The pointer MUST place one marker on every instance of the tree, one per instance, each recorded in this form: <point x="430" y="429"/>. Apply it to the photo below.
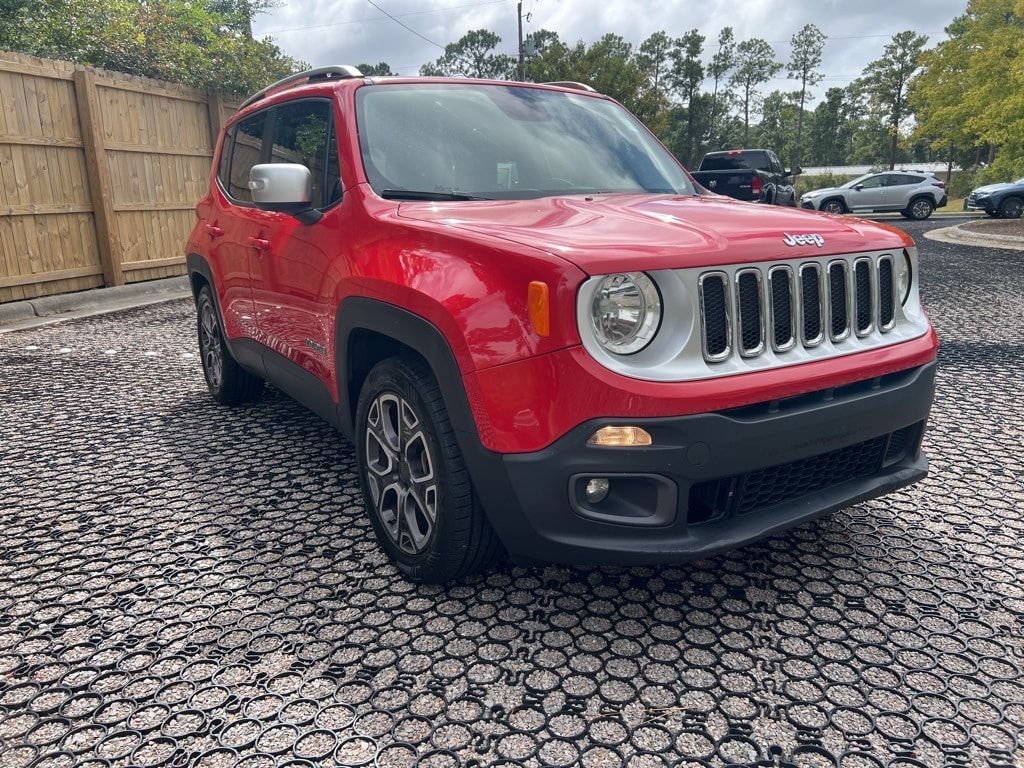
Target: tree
<point x="808" y="45"/>
<point x="687" y="76"/>
<point x="381" y="69"/>
<point x="12" y="30"/>
<point x="655" y="60"/>
<point x="721" y="64"/>
<point x="969" y="93"/>
<point x="608" y="66"/>
<point x="886" y="81"/>
<point x="777" y="128"/>
<point x="832" y="128"/>
<point x="239" y="13"/>
<point x="172" y="40"/>
<point x="755" y="65"/>
<point x="473" y="56"/>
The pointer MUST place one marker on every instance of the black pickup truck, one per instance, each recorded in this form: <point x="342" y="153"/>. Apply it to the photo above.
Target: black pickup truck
<point x="754" y="175"/>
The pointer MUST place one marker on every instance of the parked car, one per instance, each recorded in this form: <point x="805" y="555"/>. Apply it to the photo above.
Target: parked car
<point x="1001" y="201"/>
<point x="536" y="331"/>
<point x="915" y="194"/>
<point x="752" y="175"/>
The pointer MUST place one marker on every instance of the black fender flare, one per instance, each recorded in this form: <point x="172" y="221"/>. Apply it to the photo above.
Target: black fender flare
<point x="409" y="330"/>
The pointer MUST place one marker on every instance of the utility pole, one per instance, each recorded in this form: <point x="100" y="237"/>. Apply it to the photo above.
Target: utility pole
<point x="522" y="56"/>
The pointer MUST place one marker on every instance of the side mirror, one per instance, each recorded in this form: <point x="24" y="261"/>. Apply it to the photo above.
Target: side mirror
<point x="795" y="171"/>
<point x="859" y="187"/>
<point x="284" y="187"/>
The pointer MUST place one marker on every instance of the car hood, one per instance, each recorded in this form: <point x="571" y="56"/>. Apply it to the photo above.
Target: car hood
<point x="990" y="188"/>
<point x="824" y="191"/>
<point x="611" y="233"/>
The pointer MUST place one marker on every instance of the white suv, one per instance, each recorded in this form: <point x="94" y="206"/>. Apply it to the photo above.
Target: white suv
<point x="915" y="194"/>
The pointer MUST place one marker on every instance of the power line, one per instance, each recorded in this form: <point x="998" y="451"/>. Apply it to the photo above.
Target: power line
<point x="403" y="26"/>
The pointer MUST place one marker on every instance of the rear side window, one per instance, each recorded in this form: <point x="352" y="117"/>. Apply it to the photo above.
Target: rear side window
<point x="238" y="158"/>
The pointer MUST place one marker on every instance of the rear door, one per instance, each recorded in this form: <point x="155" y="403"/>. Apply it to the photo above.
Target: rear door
<point x="231" y="223"/>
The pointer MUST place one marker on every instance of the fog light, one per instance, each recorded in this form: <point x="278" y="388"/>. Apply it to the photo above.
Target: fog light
<point x="620" y="437"/>
<point x="597" y="489"/>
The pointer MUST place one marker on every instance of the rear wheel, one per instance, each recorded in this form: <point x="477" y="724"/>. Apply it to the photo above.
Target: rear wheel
<point x="1011" y="208"/>
<point x="420" y="498"/>
<point x="229" y="383"/>
<point x="833" y="206"/>
<point x="920" y="208"/>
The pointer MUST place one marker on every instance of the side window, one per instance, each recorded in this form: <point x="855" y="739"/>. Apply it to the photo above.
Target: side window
<point x="301" y="135"/>
<point x="874" y="182"/>
<point x="773" y="164"/>
<point x="247" y="151"/>
<point x="224" y="168"/>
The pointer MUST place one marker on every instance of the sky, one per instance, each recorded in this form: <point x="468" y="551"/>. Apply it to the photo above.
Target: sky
<point x="322" y="32"/>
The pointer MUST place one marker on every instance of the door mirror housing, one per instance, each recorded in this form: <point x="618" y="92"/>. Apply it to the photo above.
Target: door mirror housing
<point x="284" y="187"/>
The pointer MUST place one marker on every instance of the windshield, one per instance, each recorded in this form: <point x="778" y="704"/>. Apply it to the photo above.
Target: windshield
<point x="470" y="141"/>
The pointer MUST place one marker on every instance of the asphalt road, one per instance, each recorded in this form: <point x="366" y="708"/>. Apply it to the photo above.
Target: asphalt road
<point x="182" y="584"/>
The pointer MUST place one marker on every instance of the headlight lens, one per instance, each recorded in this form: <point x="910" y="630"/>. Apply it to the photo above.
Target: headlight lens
<point x="904" y="277"/>
<point x="626" y="312"/>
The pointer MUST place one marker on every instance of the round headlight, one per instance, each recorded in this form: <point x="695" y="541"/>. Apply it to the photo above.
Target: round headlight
<point x="904" y="277"/>
<point x="626" y="312"/>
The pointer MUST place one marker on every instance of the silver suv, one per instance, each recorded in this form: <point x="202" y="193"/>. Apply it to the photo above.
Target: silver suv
<point x="915" y="194"/>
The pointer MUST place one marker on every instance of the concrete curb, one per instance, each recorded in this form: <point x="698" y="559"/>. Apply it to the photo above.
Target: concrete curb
<point x="45" y="310"/>
<point x="957" y="234"/>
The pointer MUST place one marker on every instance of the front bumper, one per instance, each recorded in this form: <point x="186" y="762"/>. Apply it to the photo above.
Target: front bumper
<point x="710" y="482"/>
<point x="980" y="204"/>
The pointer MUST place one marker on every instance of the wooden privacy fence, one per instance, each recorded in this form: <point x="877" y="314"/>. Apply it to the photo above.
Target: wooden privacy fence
<point x="99" y="175"/>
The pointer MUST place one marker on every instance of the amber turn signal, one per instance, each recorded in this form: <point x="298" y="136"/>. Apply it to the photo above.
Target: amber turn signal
<point x="538" y="301"/>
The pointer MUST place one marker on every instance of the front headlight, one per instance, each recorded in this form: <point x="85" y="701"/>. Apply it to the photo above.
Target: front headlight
<point x="626" y="312"/>
<point x="904" y="278"/>
<point x="980" y="194"/>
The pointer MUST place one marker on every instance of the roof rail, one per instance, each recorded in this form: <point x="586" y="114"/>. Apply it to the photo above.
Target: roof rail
<point x="320" y="73"/>
<point x="572" y="84"/>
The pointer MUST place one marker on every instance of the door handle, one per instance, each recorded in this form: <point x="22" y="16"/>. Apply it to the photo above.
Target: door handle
<point x="259" y="243"/>
<point x="213" y="230"/>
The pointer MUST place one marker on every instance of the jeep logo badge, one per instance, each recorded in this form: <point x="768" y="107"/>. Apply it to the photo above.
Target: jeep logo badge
<point x="792" y="240"/>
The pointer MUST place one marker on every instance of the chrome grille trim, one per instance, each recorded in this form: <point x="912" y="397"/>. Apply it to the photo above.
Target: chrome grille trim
<point x="709" y="286"/>
<point x="839" y="300"/>
<point x="812" y="300"/>
<point x="865" y="297"/>
<point x="784" y="310"/>
<point x="750" y="312"/>
<point x="886" y="294"/>
<point x="784" y="306"/>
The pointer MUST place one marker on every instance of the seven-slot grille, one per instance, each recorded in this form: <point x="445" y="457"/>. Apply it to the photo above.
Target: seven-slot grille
<point x="781" y="306"/>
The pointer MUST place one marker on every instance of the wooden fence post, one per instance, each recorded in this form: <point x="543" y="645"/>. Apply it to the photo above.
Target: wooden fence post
<point x="215" y="104"/>
<point x="98" y="170"/>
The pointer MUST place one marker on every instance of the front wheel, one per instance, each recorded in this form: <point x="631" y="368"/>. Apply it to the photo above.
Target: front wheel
<point x="416" y="486"/>
<point x="919" y="209"/>
<point x="833" y="206"/>
<point x="1011" y="208"/>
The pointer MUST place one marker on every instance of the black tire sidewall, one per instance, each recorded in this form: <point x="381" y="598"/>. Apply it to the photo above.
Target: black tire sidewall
<point x="237" y="386"/>
<point x="441" y="560"/>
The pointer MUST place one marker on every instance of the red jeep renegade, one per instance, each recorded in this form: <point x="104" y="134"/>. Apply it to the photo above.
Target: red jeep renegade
<point x="540" y="335"/>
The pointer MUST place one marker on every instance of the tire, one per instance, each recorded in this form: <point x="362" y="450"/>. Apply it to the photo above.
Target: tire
<point x="229" y="383"/>
<point x="920" y="208"/>
<point x="416" y="486"/>
<point x="833" y="206"/>
<point x="1011" y="208"/>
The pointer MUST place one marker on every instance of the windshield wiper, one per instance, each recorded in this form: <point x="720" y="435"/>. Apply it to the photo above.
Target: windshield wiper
<point x="417" y="194"/>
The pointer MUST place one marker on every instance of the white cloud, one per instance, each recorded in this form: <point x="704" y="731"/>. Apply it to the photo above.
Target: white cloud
<point x="354" y="31"/>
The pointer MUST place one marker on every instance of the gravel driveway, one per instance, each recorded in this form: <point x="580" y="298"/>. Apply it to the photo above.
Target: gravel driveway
<point x="186" y="585"/>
